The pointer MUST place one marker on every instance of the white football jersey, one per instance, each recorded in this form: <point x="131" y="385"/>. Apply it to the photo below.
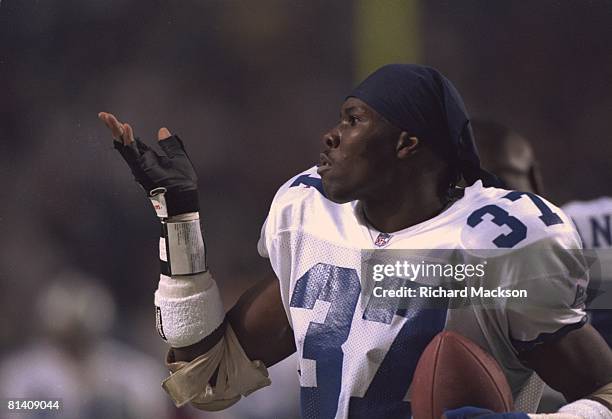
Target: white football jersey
<point x="592" y="220"/>
<point x="357" y="360"/>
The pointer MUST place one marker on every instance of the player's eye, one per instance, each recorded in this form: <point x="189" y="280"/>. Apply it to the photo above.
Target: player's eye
<point x="351" y="120"/>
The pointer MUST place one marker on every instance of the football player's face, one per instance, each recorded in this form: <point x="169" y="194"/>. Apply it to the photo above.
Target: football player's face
<point x="359" y="153"/>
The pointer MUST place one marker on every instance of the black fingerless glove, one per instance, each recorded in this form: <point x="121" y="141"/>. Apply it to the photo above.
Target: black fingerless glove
<point x="169" y="180"/>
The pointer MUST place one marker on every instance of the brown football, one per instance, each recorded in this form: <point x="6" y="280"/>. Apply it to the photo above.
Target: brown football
<point x="454" y="372"/>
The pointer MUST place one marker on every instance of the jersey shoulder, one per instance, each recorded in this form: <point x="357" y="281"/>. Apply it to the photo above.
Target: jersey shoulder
<point x="298" y="200"/>
<point x="302" y="187"/>
<point x="300" y="204"/>
<point x="503" y="219"/>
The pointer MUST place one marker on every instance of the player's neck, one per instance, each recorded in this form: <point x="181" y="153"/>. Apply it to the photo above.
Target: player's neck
<point x="396" y="212"/>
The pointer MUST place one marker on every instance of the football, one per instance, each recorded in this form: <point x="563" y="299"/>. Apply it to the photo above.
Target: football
<point x="454" y="372"/>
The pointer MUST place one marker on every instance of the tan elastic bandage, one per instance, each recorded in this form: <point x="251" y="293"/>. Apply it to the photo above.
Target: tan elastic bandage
<point x="238" y="376"/>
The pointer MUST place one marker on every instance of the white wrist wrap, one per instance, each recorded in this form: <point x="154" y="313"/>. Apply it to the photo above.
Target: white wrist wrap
<point x="189" y="308"/>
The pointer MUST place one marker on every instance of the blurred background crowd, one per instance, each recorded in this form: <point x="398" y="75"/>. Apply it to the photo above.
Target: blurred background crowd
<point x="250" y="86"/>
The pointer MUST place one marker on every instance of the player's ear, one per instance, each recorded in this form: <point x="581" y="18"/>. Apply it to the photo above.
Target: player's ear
<point x="406" y="145"/>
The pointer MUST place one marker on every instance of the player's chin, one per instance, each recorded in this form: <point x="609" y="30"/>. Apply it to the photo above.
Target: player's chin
<point x="336" y="192"/>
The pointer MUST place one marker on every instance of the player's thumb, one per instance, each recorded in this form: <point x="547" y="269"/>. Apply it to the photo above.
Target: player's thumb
<point x="163" y="133"/>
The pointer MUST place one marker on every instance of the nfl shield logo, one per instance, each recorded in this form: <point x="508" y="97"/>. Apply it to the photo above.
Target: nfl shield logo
<point x="382" y="239"/>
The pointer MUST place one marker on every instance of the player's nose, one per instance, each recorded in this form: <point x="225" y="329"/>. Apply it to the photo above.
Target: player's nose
<point x="331" y="139"/>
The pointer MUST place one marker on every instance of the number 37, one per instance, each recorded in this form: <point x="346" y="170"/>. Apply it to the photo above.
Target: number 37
<point x="501" y="217"/>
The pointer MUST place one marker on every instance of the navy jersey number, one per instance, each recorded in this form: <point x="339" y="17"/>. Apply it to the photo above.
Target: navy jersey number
<point x="340" y="288"/>
<point x="384" y="397"/>
<point x="518" y="230"/>
<point x="306" y="180"/>
<point x="501" y="217"/>
<point x="547" y="215"/>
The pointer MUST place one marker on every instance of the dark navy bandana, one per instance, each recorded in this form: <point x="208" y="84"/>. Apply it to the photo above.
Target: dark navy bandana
<point x="421" y="101"/>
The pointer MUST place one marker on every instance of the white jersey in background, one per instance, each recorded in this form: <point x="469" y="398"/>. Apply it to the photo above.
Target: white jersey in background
<point x="592" y="220"/>
<point x="357" y="359"/>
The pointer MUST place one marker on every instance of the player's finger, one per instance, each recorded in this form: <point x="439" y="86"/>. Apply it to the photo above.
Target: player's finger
<point x="171" y="144"/>
<point x="128" y="134"/>
<point x="163" y="133"/>
<point x="103" y="116"/>
<point x="142" y="147"/>
<point x="112" y="123"/>
<point x="106" y="118"/>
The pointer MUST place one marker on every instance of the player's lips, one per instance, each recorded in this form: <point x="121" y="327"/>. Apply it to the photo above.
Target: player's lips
<point x="324" y="163"/>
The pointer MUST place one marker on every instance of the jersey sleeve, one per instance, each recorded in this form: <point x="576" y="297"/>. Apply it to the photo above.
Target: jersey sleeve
<point x="262" y="245"/>
<point x="554" y="277"/>
<point x="283" y="212"/>
<point x="284" y="217"/>
<point x="272" y="224"/>
<point x="532" y="249"/>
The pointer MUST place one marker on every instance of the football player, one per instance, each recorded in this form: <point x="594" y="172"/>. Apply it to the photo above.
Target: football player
<point x="592" y="220"/>
<point x="386" y="179"/>
<point x="511" y="157"/>
<point x="507" y="154"/>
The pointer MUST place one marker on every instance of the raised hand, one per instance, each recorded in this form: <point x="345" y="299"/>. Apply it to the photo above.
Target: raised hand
<point x="169" y="180"/>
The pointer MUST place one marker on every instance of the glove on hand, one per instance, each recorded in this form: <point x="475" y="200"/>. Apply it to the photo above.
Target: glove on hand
<point x="172" y="176"/>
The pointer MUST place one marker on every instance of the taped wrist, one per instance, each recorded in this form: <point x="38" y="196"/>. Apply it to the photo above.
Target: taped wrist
<point x="182" y="250"/>
<point x="188" y="308"/>
<point x="169" y="203"/>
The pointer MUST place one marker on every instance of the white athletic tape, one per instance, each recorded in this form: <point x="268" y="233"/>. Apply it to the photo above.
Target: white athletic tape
<point x="157" y="197"/>
<point x="188" y="216"/>
<point x="185" y="250"/>
<point x="189" y="308"/>
<point x="163" y="252"/>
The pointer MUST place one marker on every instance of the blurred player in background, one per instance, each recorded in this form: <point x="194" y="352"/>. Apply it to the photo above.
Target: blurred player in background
<point x="507" y="154"/>
<point x="592" y="220"/>
<point x="75" y="361"/>
<point x="386" y="179"/>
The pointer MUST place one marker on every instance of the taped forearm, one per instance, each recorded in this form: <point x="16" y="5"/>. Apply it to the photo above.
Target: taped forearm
<point x="181" y="245"/>
<point x="189" y="309"/>
<point x="237" y="376"/>
<point x="187" y="300"/>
